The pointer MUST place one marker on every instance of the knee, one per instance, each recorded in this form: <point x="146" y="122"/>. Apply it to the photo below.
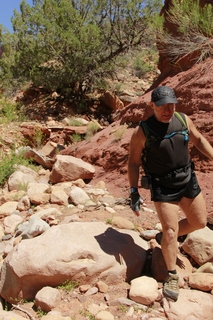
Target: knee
<point x="201" y="223"/>
<point x="170" y="235"/>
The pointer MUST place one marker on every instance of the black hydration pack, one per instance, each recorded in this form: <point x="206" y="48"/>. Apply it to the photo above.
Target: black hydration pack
<point x="153" y="136"/>
<point x="171" y="179"/>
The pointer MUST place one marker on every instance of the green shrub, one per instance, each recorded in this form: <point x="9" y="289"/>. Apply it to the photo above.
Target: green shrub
<point x="141" y="66"/>
<point x="144" y="61"/>
<point x="92" y="128"/>
<point x="190" y="17"/>
<point x="9" y="111"/>
<point x="68" y="285"/>
<point x="76" y="137"/>
<point x="118" y="134"/>
<point x="23" y="186"/>
<point x="41" y="313"/>
<point x="38" y="137"/>
<point x="87" y="315"/>
<point x="74" y="122"/>
<point x="8" y="164"/>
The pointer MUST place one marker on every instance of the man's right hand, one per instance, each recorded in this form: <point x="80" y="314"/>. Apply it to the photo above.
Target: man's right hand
<point x="135" y="201"/>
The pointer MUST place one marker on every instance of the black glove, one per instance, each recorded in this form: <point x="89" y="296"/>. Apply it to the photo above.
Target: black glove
<point x="135" y="201"/>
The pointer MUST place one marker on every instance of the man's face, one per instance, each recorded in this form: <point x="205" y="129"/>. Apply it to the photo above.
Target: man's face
<point x="165" y="112"/>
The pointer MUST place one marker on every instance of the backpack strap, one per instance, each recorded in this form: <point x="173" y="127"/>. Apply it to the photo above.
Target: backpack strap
<point x="182" y="120"/>
<point x="147" y="129"/>
<point x="149" y="133"/>
<point x="153" y="136"/>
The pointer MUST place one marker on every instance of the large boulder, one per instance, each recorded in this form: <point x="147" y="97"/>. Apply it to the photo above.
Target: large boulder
<point x="68" y="168"/>
<point x="199" y="245"/>
<point x="5" y="315"/>
<point x="191" y="305"/>
<point x="78" y="251"/>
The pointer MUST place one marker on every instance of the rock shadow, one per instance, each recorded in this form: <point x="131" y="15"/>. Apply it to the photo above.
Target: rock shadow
<point x="125" y="250"/>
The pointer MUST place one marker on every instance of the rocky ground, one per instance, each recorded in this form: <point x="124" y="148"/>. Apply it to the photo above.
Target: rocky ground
<point x="79" y="306"/>
<point x="75" y="303"/>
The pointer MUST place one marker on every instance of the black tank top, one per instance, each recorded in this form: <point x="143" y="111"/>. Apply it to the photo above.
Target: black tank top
<point x="166" y="148"/>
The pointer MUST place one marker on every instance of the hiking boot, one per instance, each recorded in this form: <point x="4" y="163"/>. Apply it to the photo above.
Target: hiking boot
<point x="171" y="287"/>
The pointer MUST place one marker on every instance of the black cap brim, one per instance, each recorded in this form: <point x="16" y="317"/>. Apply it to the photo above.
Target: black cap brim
<point x="165" y="100"/>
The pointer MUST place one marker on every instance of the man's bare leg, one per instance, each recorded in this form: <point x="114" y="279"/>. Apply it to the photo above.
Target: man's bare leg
<point x="168" y="215"/>
<point x="195" y="211"/>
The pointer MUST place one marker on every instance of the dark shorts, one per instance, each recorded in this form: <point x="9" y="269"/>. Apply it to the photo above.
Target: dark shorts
<point x="160" y="193"/>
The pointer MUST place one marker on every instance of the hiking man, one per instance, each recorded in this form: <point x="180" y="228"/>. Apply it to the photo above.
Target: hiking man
<point x="161" y="144"/>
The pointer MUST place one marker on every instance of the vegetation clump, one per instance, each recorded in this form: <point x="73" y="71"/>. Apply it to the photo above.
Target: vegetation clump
<point x="193" y="25"/>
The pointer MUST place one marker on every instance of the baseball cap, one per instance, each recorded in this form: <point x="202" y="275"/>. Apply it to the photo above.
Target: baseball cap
<point x="163" y="95"/>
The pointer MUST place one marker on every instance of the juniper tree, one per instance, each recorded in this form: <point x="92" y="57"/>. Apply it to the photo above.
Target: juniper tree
<point x="60" y="43"/>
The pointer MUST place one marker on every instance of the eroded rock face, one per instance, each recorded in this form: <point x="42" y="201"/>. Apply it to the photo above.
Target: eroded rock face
<point x="193" y="89"/>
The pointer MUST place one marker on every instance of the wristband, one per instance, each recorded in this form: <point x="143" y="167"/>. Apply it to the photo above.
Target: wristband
<point x="132" y="190"/>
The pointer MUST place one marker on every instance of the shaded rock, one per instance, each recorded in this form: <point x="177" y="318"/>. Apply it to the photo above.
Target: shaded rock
<point x="50" y="149"/>
<point x="148" y="234"/>
<point x="159" y="270"/>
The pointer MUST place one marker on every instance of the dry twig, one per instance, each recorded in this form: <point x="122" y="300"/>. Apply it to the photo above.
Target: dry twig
<point x="16" y="307"/>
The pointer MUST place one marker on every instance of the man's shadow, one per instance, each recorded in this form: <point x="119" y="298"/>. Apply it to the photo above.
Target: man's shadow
<point x="125" y="251"/>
